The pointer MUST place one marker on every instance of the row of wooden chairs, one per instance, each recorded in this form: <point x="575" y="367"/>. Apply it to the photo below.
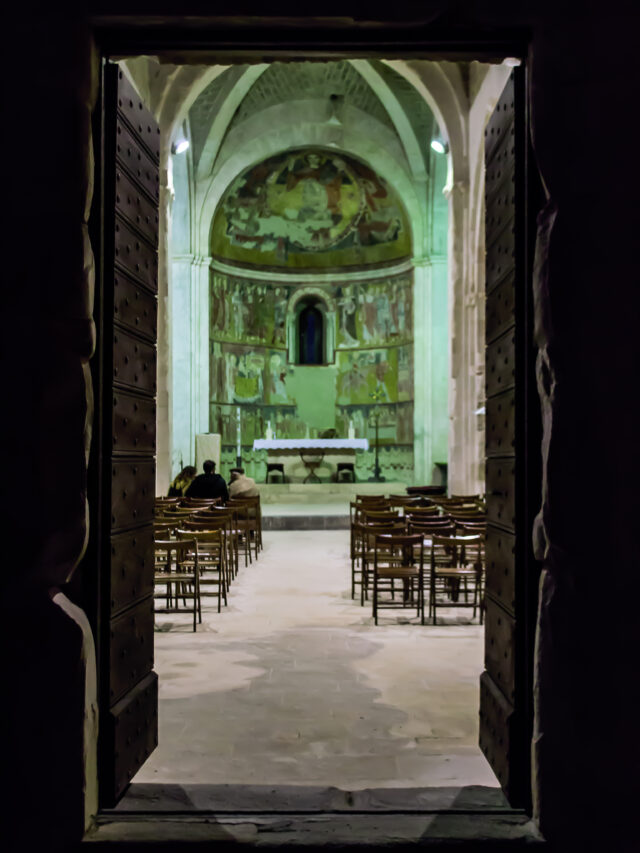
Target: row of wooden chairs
<point x="198" y="545"/>
<point x="436" y="551"/>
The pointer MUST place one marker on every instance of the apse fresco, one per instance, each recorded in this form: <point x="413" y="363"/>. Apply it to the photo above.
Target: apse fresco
<point x="249" y="311"/>
<point x="310" y="208"/>
<point x="372" y="372"/>
<point x="375" y="312"/>
<point x="241" y="374"/>
<point x="368" y="313"/>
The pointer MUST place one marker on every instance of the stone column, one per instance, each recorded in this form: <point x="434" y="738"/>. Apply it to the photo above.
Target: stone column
<point x="422" y="395"/>
<point x="200" y="338"/>
<point x="181" y="332"/>
<point x="466" y="312"/>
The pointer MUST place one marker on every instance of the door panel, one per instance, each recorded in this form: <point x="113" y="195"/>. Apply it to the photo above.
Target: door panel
<point x="512" y="476"/>
<point x="127" y="438"/>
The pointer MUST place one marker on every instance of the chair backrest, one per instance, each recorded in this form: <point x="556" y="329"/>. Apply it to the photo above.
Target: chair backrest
<point x="379" y="515"/>
<point x="189" y="502"/>
<point x="431" y="520"/>
<point x="401" y="543"/>
<point x="427" y="529"/>
<point x="470" y="514"/>
<point x="456" y="546"/>
<point x="422" y="511"/>
<point x="207" y="524"/>
<point x="183" y="548"/>
<point x="368" y="532"/>
<point x="177" y="510"/>
<point x="206" y="537"/>
<point x="472" y="525"/>
<point x="160" y="526"/>
<point x="363" y="499"/>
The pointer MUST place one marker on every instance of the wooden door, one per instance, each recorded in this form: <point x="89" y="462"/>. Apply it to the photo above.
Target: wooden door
<point x="512" y="448"/>
<point x="126" y="423"/>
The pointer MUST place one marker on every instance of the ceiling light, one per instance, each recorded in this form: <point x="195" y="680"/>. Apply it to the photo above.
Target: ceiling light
<point x="438" y="146"/>
<point x="180" y="146"/>
<point x="512" y="62"/>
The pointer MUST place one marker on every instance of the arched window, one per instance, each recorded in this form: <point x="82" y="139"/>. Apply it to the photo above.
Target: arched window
<point x="311" y="320"/>
<point x="311" y="333"/>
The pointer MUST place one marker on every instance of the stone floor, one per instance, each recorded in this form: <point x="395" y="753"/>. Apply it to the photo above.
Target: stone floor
<point x="292" y="684"/>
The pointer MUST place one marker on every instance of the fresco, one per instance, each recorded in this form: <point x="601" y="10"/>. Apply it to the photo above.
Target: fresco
<point x="366" y="376"/>
<point x="375" y="312"/>
<point x="310" y="208"/>
<point x="368" y="313"/>
<point x="248" y="311"/>
<point x="374" y="356"/>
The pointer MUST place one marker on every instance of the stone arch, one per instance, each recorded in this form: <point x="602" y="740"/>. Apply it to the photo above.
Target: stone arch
<point x="280" y="139"/>
<point x="329" y="312"/>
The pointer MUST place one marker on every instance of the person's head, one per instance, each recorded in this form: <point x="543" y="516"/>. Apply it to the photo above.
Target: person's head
<point x="208" y="466"/>
<point x="188" y="472"/>
<point x="234" y="473"/>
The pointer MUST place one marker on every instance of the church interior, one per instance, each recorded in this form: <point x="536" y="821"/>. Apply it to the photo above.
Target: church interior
<point x="355" y="257"/>
<point x="306" y="303"/>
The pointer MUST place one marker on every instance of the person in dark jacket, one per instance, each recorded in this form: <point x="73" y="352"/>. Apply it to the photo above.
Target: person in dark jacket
<point x="209" y="484"/>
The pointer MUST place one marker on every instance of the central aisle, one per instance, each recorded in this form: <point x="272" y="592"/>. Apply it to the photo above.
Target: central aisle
<point x="293" y="684"/>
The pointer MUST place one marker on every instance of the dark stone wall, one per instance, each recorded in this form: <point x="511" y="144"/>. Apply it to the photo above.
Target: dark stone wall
<point x="583" y="93"/>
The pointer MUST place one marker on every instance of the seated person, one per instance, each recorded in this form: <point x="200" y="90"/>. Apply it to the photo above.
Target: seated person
<point x="241" y="486"/>
<point x="209" y="484"/>
<point x="182" y="482"/>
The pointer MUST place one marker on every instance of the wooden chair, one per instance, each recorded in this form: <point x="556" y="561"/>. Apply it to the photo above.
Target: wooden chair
<point x="398" y="557"/>
<point x="247" y="513"/>
<point x="211" y="524"/>
<point x="463" y="564"/>
<point x="211" y="560"/>
<point x="176" y="565"/>
<point x="366" y="540"/>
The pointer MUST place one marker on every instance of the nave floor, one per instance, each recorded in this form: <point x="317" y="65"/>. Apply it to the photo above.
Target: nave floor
<point x="292" y="684"/>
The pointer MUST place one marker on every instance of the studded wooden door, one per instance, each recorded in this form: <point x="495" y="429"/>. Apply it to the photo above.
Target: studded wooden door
<point x="512" y="449"/>
<point x="127" y="314"/>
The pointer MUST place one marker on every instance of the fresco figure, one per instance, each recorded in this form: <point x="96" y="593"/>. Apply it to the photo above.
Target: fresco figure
<point x="238" y="312"/>
<point x="384" y="320"/>
<point x="369" y="312"/>
<point x="348" y="307"/>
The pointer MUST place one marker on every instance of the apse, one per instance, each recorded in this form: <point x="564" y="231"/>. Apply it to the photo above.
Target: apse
<point x="312" y="309"/>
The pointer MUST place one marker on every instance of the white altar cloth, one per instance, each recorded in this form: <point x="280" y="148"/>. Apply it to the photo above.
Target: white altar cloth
<point x="311" y="444"/>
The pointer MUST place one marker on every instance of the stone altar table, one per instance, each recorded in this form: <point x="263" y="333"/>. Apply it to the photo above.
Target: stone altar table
<point x="309" y="454"/>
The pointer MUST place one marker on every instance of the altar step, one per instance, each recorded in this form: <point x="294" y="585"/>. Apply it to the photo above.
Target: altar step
<point x="305" y="522"/>
<point x="324" y="493"/>
<point x="315" y="506"/>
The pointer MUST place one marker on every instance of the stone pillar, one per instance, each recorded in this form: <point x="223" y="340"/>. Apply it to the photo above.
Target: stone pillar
<point x="422" y="394"/>
<point x="200" y="337"/>
<point x="466" y="273"/>
<point x="181" y="331"/>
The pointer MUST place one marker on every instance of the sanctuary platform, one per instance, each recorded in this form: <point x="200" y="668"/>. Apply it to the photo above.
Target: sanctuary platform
<point x="315" y="506"/>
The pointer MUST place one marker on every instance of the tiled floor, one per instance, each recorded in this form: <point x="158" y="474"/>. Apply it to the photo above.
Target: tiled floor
<point x="293" y="684"/>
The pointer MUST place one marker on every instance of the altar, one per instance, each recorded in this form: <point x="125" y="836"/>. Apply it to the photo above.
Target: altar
<point x="306" y="459"/>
